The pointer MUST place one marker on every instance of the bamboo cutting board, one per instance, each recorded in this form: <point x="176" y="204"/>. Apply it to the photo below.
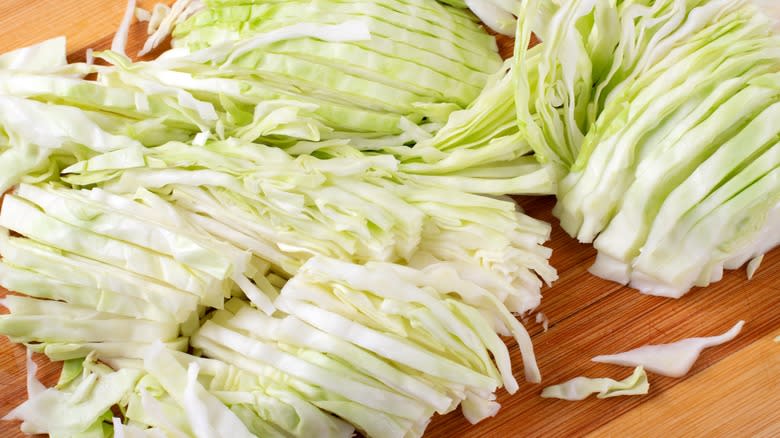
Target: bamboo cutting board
<point x="733" y="390"/>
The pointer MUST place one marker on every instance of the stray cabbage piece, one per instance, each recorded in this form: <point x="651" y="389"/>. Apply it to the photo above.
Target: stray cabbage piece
<point x="673" y="360"/>
<point x="163" y="18"/>
<point x="34" y="386"/>
<point x="119" y="42"/>
<point x="542" y="319"/>
<point x="753" y="266"/>
<point x="497" y="15"/>
<point x="580" y="388"/>
<point x="142" y="15"/>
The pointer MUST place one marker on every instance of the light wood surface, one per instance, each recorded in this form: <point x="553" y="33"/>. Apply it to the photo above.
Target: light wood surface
<point x="733" y="390"/>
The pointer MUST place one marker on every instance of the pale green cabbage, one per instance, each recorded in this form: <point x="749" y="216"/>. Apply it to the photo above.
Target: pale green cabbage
<point x="674" y="359"/>
<point x="78" y="406"/>
<point x="355" y="208"/>
<point x="660" y="116"/>
<point x="580" y="388"/>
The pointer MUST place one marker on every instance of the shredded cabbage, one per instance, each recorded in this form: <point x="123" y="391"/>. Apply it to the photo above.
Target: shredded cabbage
<point x="332" y="210"/>
<point x="660" y="117"/>
<point x="278" y="227"/>
<point x="119" y="43"/>
<point x="80" y="406"/>
<point x="579" y="388"/>
<point x="673" y="360"/>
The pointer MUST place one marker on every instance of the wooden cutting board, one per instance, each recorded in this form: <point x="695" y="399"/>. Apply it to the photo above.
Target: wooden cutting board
<point x="733" y="390"/>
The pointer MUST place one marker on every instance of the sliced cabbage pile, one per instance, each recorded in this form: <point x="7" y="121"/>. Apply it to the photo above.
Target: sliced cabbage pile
<point x="374" y="76"/>
<point x="359" y="209"/>
<point x="378" y="347"/>
<point x="292" y="223"/>
<point x="241" y="237"/>
<point x="110" y="273"/>
<point x="663" y="117"/>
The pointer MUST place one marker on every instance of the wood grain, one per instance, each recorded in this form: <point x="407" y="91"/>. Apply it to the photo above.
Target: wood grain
<point x="86" y="24"/>
<point x="733" y="390"/>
